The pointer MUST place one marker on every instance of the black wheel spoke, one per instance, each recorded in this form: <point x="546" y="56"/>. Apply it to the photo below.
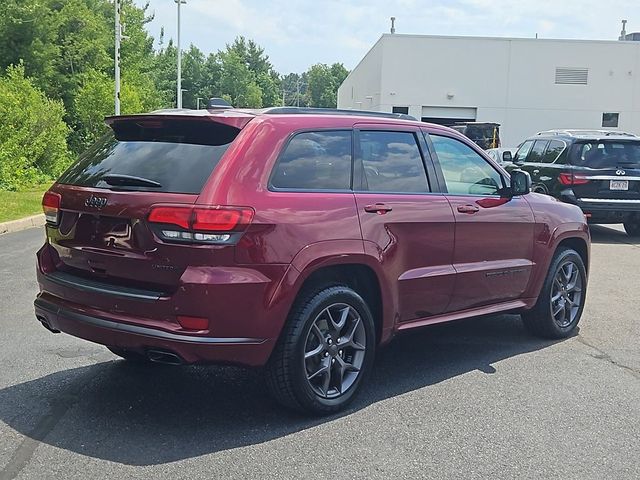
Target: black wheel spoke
<point x="566" y="294"/>
<point x="334" y="350"/>
<point x="316" y="351"/>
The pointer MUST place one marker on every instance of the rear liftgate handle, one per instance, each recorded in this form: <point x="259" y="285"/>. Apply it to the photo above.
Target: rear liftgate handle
<point x="470" y="209"/>
<point x="379" y="208"/>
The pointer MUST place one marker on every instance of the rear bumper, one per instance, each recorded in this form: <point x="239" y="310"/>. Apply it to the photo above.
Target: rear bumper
<point x="61" y="316"/>
<point x="243" y="321"/>
<point x="606" y="210"/>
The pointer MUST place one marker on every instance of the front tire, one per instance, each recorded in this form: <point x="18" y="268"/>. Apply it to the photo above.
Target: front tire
<point x="561" y="301"/>
<point x="324" y="353"/>
<point x="633" y="228"/>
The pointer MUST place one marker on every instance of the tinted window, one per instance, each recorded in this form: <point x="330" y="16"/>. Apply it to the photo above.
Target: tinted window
<point x="177" y="155"/>
<point x="610" y="119"/>
<point x="523" y="151"/>
<point x="392" y="162"/>
<point x="315" y="161"/>
<point x="553" y="151"/>
<point x="535" y="156"/>
<point x="465" y="171"/>
<point x="404" y="110"/>
<point x="606" y="154"/>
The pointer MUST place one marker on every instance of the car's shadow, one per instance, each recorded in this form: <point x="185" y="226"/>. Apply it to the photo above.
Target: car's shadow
<point x="148" y="415"/>
<point x="607" y="235"/>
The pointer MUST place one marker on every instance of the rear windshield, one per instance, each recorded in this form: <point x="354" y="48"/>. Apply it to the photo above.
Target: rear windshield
<point x="606" y="154"/>
<point x="168" y="155"/>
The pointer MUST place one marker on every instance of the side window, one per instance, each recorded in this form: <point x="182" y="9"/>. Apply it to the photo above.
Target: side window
<point x="553" y="151"/>
<point x="392" y="162"/>
<point x="537" y="151"/>
<point x="315" y="161"/>
<point x="523" y="151"/>
<point x="465" y="172"/>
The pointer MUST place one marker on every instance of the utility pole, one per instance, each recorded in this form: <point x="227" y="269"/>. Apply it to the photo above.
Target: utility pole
<point x="117" y="57"/>
<point x="179" y="87"/>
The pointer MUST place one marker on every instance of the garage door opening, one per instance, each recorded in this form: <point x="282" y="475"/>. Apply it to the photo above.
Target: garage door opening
<point x="448" y="116"/>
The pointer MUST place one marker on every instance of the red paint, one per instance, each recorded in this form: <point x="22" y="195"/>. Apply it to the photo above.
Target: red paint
<point x="433" y="260"/>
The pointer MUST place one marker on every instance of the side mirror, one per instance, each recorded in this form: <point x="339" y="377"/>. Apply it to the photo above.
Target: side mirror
<point x="506" y="156"/>
<point x="520" y="183"/>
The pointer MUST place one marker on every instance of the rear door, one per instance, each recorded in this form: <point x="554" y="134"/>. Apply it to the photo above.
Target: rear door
<point x="106" y="196"/>
<point x="407" y="225"/>
<point x="493" y="235"/>
<point x="544" y="162"/>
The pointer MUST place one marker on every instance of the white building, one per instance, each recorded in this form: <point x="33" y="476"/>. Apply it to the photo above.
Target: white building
<point x="526" y="85"/>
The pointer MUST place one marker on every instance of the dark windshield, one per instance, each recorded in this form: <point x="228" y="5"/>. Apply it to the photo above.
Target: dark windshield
<point x="606" y="154"/>
<point x="177" y="155"/>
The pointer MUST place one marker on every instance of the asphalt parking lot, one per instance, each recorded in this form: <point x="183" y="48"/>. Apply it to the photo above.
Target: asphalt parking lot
<point x="473" y="399"/>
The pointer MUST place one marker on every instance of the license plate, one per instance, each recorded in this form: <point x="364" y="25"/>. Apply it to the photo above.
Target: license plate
<point x="619" y="185"/>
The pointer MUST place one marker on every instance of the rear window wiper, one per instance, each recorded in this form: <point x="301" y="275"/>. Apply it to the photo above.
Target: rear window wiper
<point x="129" y="181"/>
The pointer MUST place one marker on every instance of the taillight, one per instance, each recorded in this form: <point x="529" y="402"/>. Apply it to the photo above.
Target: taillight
<point x="572" y="179"/>
<point x="217" y="225"/>
<point x="51" y="207"/>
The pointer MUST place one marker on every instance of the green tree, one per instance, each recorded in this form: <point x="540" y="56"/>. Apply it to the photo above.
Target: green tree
<point x="323" y="83"/>
<point x="33" y="134"/>
<point x="62" y="45"/>
<point x="237" y="83"/>
<point x="262" y="72"/>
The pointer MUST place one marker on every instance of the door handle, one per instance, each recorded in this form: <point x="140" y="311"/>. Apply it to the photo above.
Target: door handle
<point x="379" y="208"/>
<point x="468" y="209"/>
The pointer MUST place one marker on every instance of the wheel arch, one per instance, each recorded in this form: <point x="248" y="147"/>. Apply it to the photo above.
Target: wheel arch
<point x="358" y="271"/>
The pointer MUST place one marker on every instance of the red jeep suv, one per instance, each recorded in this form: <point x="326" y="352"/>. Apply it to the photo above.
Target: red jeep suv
<point x="298" y="240"/>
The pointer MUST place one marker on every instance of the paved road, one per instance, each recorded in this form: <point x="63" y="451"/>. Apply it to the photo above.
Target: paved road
<point x="475" y="399"/>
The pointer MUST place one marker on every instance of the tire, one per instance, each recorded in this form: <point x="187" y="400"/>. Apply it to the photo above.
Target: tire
<point x="633" y="228"/>
<point x="301" y="383"/>
<point x="541" y="320"/>
<point x="133" y="357"/>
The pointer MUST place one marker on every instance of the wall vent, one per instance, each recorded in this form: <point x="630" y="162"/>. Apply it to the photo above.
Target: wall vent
<point x="571" y="76"/>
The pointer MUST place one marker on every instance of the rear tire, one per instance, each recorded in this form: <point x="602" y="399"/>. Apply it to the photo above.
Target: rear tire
<point x="633" y="228"/>
<point x="561" y="300"/>
<point x="325" y="351"/>
<point x="133" y="357"/>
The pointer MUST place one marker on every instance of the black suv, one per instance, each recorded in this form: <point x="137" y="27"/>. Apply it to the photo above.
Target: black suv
<point x="598" y="170"/>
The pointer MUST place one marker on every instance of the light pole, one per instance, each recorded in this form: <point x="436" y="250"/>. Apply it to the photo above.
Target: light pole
<point x="116" y="55"/>
<point x="198" y="103"/>
<point x="179" y="87"/>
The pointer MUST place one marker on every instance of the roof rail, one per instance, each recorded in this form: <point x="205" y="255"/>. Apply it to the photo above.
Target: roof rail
<point x="335" y="111"/>
<point x="586" y="133"/>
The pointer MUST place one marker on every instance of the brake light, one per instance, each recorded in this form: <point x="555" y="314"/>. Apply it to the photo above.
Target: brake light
<point x="221" y="220"/>
<point x="217" y="225"/>
<point x="171" y="215"/>
<point x="51" y="207"/>
<point x="572" y="179"/>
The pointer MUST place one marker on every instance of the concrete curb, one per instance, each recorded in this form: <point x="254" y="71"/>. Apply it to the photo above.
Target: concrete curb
<point x="22" y="224"/>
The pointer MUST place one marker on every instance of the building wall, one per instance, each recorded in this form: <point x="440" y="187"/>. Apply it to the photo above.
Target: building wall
<point x="361" y="90"/>
<point x="509" y="81"/>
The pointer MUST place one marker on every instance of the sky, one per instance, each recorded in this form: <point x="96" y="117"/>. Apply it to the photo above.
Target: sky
<point x="299" y="33"/>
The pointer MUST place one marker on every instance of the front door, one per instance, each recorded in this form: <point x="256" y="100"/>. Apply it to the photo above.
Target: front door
<point x="407" y="226"/>
<point x="493" y="235"/>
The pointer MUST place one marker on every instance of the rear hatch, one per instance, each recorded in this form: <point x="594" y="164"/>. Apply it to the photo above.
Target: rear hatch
<point x="102" y="233"/>
<point x="605" y="169"/>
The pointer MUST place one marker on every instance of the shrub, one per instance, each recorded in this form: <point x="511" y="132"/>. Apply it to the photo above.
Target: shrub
<point x="33" y="134"/>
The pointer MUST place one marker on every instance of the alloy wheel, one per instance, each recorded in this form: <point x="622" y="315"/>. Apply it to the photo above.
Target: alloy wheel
<point x="334" y="350"/>
<point x="566" y="294"/>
